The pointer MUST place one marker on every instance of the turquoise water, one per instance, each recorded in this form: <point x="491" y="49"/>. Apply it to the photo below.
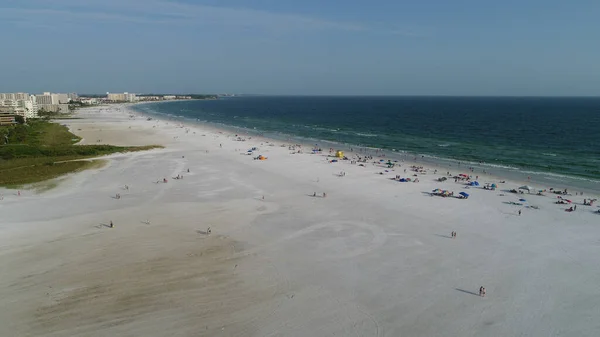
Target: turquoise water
<point x="551" y="140"/>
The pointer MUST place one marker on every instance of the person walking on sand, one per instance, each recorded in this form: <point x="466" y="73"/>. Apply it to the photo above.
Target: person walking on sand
<point x="519" y="212"/>
<point x="111" y="224"/>
<point x="481" y="291"/>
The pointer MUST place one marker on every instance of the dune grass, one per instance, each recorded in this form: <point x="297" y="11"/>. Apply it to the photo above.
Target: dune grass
<point x="42" y="150"/>
<point x="16" y="178"/>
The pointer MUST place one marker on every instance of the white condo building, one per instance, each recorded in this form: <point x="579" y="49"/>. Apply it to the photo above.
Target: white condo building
<point x="50" y="98"/>
<point x="124" y="97"/>
<point x="20" y="103"/>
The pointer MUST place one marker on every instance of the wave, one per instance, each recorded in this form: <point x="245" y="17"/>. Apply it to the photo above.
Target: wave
<point x="560" y="177"/>
<point x="366" y="134"/>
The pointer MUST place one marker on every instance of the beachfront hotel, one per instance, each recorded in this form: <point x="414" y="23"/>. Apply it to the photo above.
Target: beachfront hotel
<point x="28" y="106"/>
<point x="124" y="97"/>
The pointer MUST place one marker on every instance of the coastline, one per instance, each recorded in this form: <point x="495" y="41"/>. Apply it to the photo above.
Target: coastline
<point x="521" y="176"/>
<point x="374" y="257"/>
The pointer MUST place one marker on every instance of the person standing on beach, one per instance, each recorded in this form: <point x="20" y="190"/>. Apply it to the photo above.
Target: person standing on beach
<point x="111" y="224"/>
<point x="519" y="212"/>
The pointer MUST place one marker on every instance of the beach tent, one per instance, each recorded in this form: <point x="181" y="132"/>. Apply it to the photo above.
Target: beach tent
<point x="526" y="187"/>
<point x="339" y="154"/>
<point x="464" y="194"/>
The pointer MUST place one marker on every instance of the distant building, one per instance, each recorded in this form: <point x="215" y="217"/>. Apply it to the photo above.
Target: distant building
<point x="43" y="99"/>
<point x="60" y="99"/>
<point x="124" y="97"/>
<point x="31" y="109"/>
<point x="21" y="104"/>
<point x="8" y="114"/>
<point x="14" y="96"/>
<point x="89" y="101"/>
<point x="49" y="98"/>
<point x="60" y="108"/>
<point x="73" y="96"/>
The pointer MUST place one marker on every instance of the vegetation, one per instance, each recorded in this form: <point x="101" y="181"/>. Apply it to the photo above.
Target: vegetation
<point x="41" y="150"/>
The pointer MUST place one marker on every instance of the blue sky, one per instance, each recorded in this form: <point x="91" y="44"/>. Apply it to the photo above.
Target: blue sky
<point x="388" y="47"/>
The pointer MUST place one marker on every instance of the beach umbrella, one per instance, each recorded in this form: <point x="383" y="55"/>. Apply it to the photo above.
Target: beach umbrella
<point x="464" y="194"/>
<point x="526" y="187"/>
<point x="494" y="185"/>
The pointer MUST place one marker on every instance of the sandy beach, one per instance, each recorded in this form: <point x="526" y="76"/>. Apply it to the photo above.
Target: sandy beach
<point x="373" y="258"/>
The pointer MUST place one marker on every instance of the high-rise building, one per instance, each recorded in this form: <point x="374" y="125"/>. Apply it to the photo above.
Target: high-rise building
<point x="60" y="99"/>
<point x="14" y="96"/>
<point x="50" y="98"/>
<point x="72" y="96"/>
<point x="124" y="97"/>
<point x="46" y="98"/>
<point x="22" y="104"/>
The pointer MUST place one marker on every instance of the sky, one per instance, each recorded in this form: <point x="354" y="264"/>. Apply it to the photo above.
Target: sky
<point x="308" y="47"/>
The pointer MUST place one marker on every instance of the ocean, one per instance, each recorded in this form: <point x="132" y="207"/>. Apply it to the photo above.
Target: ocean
<point x="555" y="141"/>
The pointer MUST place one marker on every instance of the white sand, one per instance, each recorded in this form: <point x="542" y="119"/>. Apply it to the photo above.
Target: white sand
<point x="373" y="258"/>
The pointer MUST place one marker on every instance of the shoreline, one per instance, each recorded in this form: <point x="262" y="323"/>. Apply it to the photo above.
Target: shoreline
<point x="517" y="175"/>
